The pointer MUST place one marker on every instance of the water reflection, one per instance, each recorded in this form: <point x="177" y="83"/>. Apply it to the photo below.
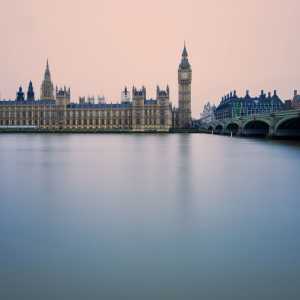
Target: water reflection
<point x="148" y="217"/>
<point x="182" y="184"/>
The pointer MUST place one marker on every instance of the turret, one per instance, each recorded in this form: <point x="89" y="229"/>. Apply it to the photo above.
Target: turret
<point x="20" y="95"/>
<point x="30" y="92"/>
<point x="138" y="113"/>
<point x="295" y="93"/>
<point x="163" y="97"/>
<point x="101" y="99"/>
<point x="81" y="100"/>
<point x="138" y="96"/>
<point x="162" y="94"/>
<point x="63" y="96"/>
<point x="262" y="94"/>
<point x="125" y="95"/>
<point x="91" y="100"/>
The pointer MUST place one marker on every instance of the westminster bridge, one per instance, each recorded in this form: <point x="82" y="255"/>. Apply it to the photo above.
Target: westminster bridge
<point x="278" y="124"/>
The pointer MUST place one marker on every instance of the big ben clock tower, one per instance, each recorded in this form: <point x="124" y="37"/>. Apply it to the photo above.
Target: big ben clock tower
<point x="184" y="89"/>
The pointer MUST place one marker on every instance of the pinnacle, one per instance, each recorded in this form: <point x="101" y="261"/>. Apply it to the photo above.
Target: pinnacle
<point x="184" y="52"/>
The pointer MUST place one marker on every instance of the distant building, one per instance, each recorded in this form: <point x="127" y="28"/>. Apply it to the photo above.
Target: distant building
<point x="295" y="103"/>
<point x="208" y="114"/>
<point x="232" y="105"/>
<point x="136" y="112"/>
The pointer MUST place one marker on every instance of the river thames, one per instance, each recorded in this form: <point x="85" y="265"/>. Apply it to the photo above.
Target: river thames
<point x="149" y="217"/>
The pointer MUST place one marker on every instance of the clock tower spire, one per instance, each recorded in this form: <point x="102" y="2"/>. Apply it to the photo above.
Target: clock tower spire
<point x="184" y="91"/>
<point x="47" y="88"/>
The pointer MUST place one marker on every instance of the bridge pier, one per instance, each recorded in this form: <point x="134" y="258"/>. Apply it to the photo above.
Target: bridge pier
<point x="271" y="132"/>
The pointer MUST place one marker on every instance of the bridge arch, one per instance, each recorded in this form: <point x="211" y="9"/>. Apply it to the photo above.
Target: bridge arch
<point x="288" y="127"/>
<point x="232" y="127"/>
<point x="256" y="127"/>
<point x="219" y="128"/>
<point x="210" y="128"/>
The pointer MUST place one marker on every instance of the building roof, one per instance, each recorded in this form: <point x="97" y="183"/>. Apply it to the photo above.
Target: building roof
<point x="184" y="64"/>
<point x="27" y="102"/>
<point x="263" y="99"/>
<point x="100" y="105"/>
<point x="78" y="105"/>
<point x="150" y="102"/>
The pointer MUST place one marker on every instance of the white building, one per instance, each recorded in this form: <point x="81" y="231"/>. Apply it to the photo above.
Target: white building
<point x="208" y="114"/>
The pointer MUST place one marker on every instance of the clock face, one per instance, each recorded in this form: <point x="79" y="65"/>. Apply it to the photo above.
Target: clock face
<point x="184" y="75"/>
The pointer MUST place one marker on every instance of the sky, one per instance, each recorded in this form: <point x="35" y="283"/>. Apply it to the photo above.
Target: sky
<point x="99" y="46"/>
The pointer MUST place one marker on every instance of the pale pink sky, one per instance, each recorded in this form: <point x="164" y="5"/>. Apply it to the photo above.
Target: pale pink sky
<point x="98" y="46"/>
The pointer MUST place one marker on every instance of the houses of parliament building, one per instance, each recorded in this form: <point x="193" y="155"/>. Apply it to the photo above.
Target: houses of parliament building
<point x="55" y="110"/>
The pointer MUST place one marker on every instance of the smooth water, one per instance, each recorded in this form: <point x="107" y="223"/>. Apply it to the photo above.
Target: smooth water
<point x="148" y="217"/>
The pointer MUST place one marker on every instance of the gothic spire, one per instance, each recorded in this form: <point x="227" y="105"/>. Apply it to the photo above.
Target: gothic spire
<point x="30" y="92"/>
<point x="184" y="52"/>
<point x="20" y="94"/>
<point x="47" y="88"/>
<point x="184" y="60"/>
<point x="47" y="72"/>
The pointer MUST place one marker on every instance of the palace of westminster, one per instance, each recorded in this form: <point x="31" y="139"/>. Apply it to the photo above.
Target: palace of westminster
<point x="55" y="111"/>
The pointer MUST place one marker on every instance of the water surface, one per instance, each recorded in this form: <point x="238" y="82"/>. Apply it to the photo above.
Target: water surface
<point x="148" y="217"/>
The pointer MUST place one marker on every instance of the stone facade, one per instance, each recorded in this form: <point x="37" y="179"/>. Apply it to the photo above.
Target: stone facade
<point x="208" y="114"/>
<point x="232" y="106"/>
<point x="55" y="111"/>
<point x="59" y="114"/>
<point x="184" y="90"/>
